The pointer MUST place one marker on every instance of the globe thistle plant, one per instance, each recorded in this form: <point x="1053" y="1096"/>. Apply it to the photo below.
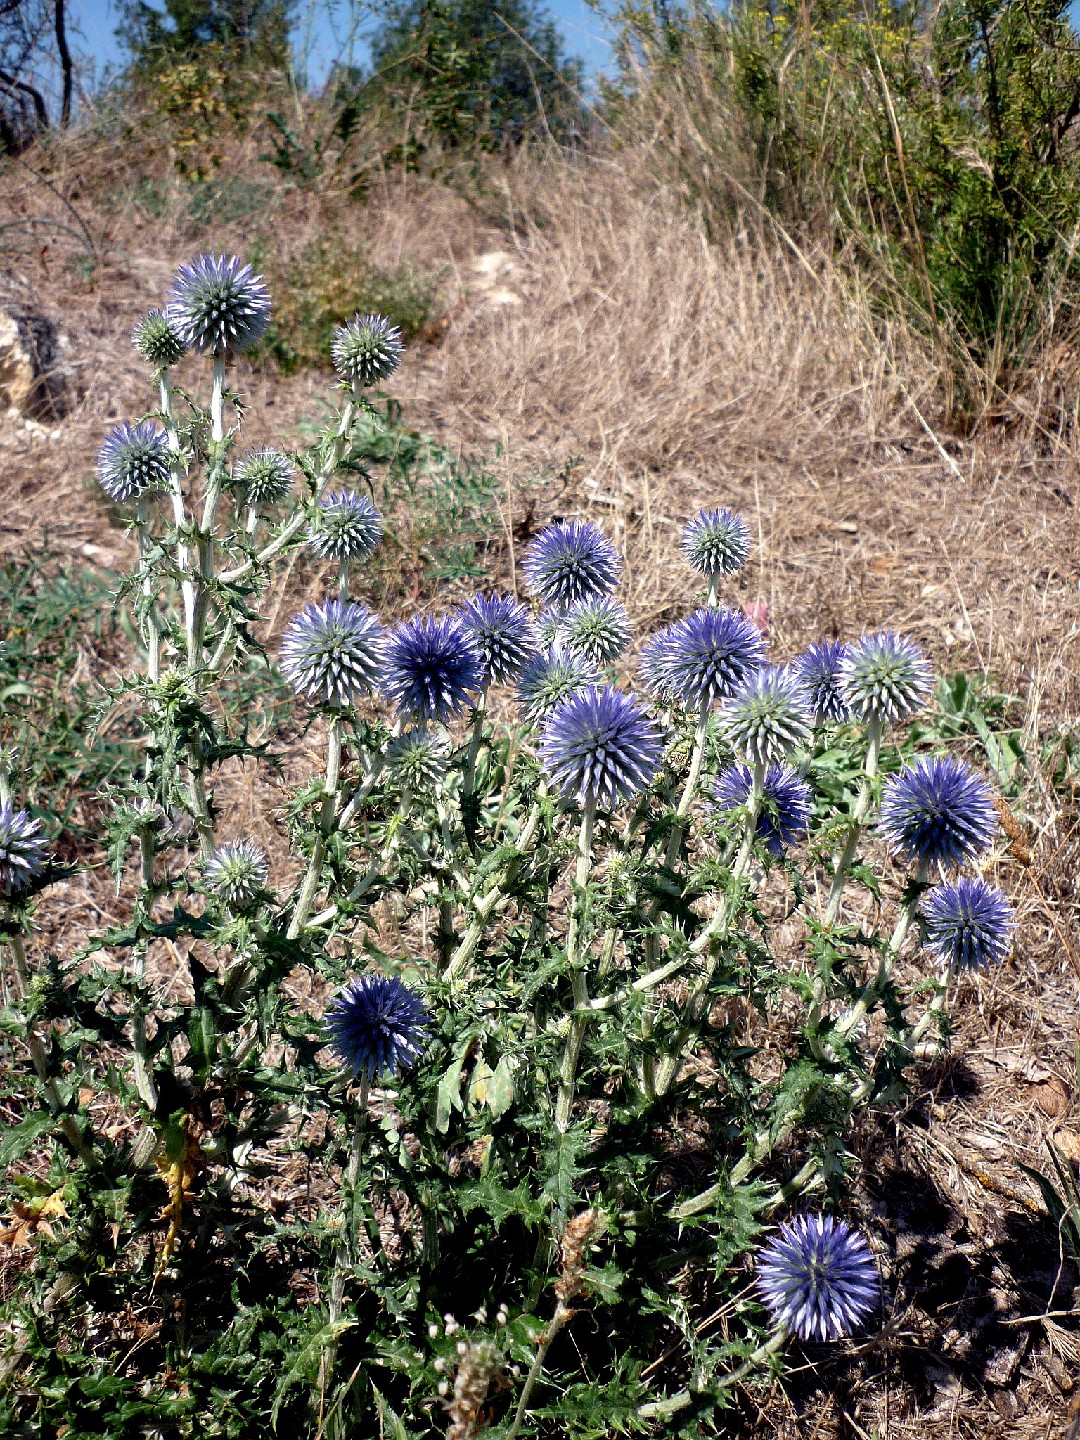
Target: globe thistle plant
<point x="156" y="340"/>
<point x="266" y="475"/>
<point x="767" y="718"/>
<point x="332" y="652"/>
<point x="884" y="677"/>
<point x="218" y="305"/>
<point x="346" y="526"/>
<point x="367" y="350"/>
<point x="598" y="629"/>
<point x="570" y="562"/>
<point x="967" y="925"/>
<point x="133" y="460"/>
<point x="22" y="851"/>
<point x="551" y="677"/>
<point x="431" y="668"/>
<point x="503" y="635"/>
<point x="600" y="747"/>
<point x="818" y="1278"/>
<point x="785" y="807"/>
<point x="706" y="657"/>
<point x="938" y="812"/>
<point x="376" y="1025"/>
<point x="818" y="670"/>
<point x="418" y="759"/>
<point x="716" y="542"/>
<point x="237" y="873"/>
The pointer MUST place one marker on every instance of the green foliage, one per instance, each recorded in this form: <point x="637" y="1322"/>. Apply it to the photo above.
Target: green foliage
<point x="629" y="1071"/>
<point x="328" y="281"/>
<point x="937" y="142"/>
<point x="52" y="616"/>
<point x="253" y="34"/>
<point x="475" y="74"/>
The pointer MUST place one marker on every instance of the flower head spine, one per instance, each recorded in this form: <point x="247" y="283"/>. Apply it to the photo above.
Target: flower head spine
<point x="716" y="542"/>
<point x="767" y="718"/>
<point x="431" y="667"/>
<point x="818" y="670"/>
<point x="884" y="677"/>
<point x="503" y="634"/>
<point x="237" y="874"/>
<point x="133" y="460"/>
<point x="366" y="350"/>
<point x="817" y="1278"/>
<point x="600" y="747"/>
<point x="346" y="526"/>
<point x="551" y="677"/>
<point x="377" y="1025"/>
<point x="967" y="925"/>
<point x="218" y="304"/>
<point x="265" y="474"/>
<point x="598" y="629"/>
<point x="569" y="562"/>
<point x="156" y="340"/>
<point x="938" y="812"/>
<point x="332" y="652"/>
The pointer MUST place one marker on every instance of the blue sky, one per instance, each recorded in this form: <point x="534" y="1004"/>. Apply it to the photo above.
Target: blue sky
<point x="583" y="31"/>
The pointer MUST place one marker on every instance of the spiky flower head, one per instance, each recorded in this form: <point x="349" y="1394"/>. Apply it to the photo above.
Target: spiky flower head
<point x="767" y="718"/>
<point x="418" y="759"/>
<point x="265" y="474"/>
<point x="569" y="562"/>
<point x="503" y="634"/>
<point x="549" y="629"/>
<point x="785" y="806"/>
<point x="967" y="925"/>
<point x="600" y="747"/>
<point x="884" y="677"/>
<point x="708" y="656"/>
<point x="333" y="652"/>
<point x="377" y="1024"/>
<point x="133" y="461"/>
<point x="817" y="1278"/>
<point x="366" y="350"/>
<point x="218" y="304"/>
<point x="156" y="340"/>
<point x="818" y="672"/>
<point x="430" y="668"/>
<point x="716" y="542"/>
<point x="144" y="815"/>
<point x="345" y="526"/>
<point x="22" y="851"/>
<point x="937" y="811"/>
<point x="550" y="678"/>
<point x="599" y="629"/>
<point x="237" y="873"/>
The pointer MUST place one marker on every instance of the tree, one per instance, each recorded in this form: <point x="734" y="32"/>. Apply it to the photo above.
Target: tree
<point x="251" y="33"/>
<point x="29" y="32"/>
<point x="481" y="72"/>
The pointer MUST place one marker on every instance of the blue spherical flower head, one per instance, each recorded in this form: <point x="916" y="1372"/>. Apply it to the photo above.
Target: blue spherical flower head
<point x="938" y="811"/>
<point x="503" y="635"/>
<point x="366" y="350"/>
<point x="550" y="678"/>
<point x="767" y="717"/>
<point x="218" y="304"/>
<point x="716" y="542"/>
<point x="885" y="677"/>
<point x="418" y="760"/>
<point x="133" y="461"/>
<point x="598" y="629"/>
<point x="570" y="562"/>
<point x="818" y="672"/>
<point x="817" y="1278"/>
<point x="709" y="656"/>
<point x="237" y="873"/>
<point x="333" y="652"/>
<point x="600" y="747"/>
<point x="377" y="1024"/>
<point x="265" y="474"/>
<point x="967" y="926"/>
<point x="786" y="802"/>
<point x="156" y="340"/>
<point x="22" y="851"/>
<point x="346" y="526"/>
<point x="430" y="668"/>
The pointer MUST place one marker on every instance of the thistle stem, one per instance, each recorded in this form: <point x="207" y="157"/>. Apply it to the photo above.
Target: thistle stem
<point x="492" y="901"/>
<point x="180" y="519"/>
<point x="327" y="814"/>
<point x="563" y="1314"/>
<point x="672" y="1404"/>
<point x="214" y="478"/>
<point x="712" y="937"/>
<point x="345" y="1248"/>
<point x="575" y="956"/>
<point x="858" y="818"/>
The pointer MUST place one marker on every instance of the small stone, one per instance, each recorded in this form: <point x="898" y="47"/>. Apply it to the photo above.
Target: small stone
<point x="32" y="383"/>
